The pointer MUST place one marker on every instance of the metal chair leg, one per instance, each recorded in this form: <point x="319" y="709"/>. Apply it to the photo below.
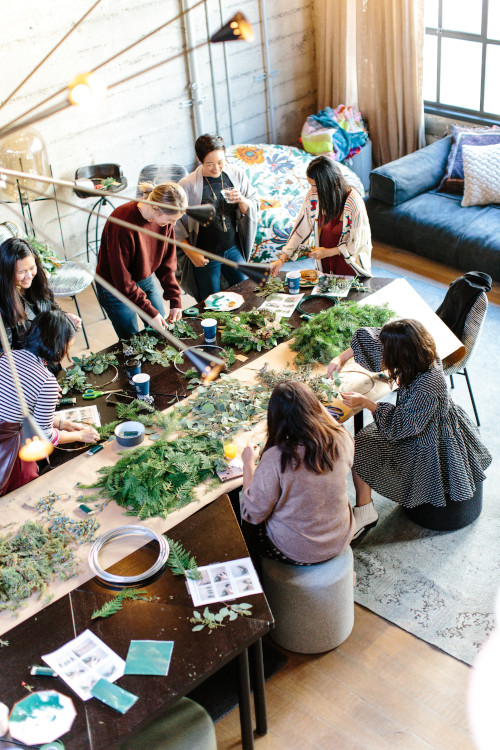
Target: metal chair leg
<point x="451" y="381"/>
<point x="471" y="396"/>
<point x="80" y="316"/>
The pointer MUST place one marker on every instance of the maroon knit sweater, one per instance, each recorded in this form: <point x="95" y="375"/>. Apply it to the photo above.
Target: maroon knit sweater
<point x="127" y="257"/>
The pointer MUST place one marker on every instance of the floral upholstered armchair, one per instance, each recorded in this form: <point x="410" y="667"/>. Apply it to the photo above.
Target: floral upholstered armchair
<point x="278" y="173"/>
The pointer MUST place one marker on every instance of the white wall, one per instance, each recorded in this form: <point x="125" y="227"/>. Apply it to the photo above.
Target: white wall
<point x="142" y="122"/>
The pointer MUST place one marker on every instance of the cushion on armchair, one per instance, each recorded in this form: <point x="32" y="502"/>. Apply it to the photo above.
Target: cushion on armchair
<point x="403" y="179"/>
<point x="453" y="178"/>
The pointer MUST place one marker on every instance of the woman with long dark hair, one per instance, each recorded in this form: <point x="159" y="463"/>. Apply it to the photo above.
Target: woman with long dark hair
<point x="336" y="213"/>
<point x="298" y="492"/>
<point x="425" y="446"/>
<point x="24" y="289"/>
<point x="45" y="346"/>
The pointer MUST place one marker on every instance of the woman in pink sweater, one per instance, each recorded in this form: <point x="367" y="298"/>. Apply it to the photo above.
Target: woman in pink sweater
<point x="297" y="495"/>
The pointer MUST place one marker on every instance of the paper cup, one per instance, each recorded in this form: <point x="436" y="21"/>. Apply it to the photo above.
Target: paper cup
<point x="141" y="382"/>
<point x="293" y="279"/>
<point x="209" y="326"/>
<point x="132" y="367"/>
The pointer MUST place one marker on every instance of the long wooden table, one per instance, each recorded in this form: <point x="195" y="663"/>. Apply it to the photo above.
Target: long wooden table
<point x="204" y="527"/>
<point x="84" y="468"/>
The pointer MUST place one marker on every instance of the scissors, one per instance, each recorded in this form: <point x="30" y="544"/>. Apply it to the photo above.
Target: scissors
<point x="91" y="393"/>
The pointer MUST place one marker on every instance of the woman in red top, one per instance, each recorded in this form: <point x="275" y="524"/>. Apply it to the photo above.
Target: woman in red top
<point x="335" y="213"/>
<point x="128" y="259"/>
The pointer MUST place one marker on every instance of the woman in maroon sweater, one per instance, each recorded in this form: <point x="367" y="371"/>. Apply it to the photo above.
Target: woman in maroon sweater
<point x="128" y="259"/>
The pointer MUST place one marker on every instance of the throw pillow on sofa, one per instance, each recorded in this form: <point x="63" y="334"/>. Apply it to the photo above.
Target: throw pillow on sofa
<point x="453" y="180"/>
<point x="482" y="175"/>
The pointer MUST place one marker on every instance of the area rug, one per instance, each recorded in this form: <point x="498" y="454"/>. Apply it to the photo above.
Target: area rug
<point x="441" y="586"/>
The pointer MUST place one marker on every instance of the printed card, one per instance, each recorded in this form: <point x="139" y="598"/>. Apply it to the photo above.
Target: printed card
<point x="82" y="662"/>
<point x="221" y="582"/>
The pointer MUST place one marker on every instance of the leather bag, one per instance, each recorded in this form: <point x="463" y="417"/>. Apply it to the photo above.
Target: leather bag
<point x="10" y="442"/>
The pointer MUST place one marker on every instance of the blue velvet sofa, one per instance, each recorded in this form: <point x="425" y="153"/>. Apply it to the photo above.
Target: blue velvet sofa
<point x="407" y="211"/>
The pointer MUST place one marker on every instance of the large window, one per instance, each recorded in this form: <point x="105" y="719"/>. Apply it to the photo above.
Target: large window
<point x="462" y="59"/>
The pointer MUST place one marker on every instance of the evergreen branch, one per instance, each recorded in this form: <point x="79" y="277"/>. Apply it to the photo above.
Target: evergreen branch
<point x="114" y="605"/>
<point x="181" y="562"/>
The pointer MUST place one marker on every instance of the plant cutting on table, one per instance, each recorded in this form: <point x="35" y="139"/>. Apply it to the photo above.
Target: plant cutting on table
<point x="253" y="330"/>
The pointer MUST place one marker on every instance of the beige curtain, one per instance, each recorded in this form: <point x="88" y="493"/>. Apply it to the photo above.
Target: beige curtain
<point x="370" y="55"/>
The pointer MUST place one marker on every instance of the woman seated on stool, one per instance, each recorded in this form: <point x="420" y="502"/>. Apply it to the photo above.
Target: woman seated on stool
<point x="24" y="290"/>
<point x="424" y="447"/>
<point x="298" y="492"/>
<point x="128" y="259"/>
<point x="336" y="213"/>
<point x="232" y="231"/>
<point x="47" y="343"/>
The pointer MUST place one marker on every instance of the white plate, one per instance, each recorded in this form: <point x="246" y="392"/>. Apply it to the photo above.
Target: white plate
<point x="223" y="301"/>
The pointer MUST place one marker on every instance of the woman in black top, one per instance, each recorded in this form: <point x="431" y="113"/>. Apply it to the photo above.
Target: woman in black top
<point x="24" y="290"/>
<point x="425" y="447"/>
<point x="232" y="231"/>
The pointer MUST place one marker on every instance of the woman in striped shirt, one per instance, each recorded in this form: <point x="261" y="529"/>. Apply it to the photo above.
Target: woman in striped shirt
<point x="47" y="343"/>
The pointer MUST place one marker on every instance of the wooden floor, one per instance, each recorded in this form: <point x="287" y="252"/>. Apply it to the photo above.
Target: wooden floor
<point x="383" y="688"/>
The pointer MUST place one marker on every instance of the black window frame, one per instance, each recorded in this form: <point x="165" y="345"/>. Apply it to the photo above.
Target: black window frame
<point x="447" y="110"/>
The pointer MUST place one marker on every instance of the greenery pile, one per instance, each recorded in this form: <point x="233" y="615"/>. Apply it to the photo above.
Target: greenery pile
<point x="253" y="330"/>
<point x="144" y="346"/>
<point x="325" y="389"/>
<point x="274" y="285"/>
<point x="153" y="480"/>
<point x="48" y="258"/>
<point x="30" y="561"/>
<point x="327" y="334"/>
<point x="223" y="407"/>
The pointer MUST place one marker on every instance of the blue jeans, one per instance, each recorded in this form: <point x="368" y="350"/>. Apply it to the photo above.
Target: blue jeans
<point x="208" y="277"/>
<point x="123" y="320"/>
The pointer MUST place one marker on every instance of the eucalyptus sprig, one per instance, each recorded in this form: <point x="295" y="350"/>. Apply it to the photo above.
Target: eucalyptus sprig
<point x="96" y="363"/>
<point x="181" y="329"/>
<point x="213" y="620"/>
<point x="274" y="285"/>
<point x="252" y="330"/>
<point x="325" y="389"/>
<point x="116" y="603"/>
<point x="75" y="379"/>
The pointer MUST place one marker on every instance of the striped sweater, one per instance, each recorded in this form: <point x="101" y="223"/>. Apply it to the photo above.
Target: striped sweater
<point x="39" y="388"/>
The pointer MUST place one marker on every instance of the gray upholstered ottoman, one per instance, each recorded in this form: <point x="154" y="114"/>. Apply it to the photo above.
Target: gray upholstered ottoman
<point x="184" y="726"/>
<point x="313" y="606"/>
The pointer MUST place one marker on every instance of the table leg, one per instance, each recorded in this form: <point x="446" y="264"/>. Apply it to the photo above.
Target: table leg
<point x="244" y="701"/>
<point x="259" y="687"/>
<point x="358" y="422"/>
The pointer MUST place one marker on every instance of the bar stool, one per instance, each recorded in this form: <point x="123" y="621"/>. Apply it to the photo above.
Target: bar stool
<point x="98" y="173"/>
<point x="184" y="726"/>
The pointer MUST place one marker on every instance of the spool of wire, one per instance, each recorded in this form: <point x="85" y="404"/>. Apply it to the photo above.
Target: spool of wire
<point x="120" y="533"/>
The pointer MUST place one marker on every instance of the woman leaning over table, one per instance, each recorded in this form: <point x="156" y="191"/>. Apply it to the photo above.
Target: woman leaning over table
<point x="128" y="258"/>
<point x="297" y="495"/>
<point x="336" y="214"/>
<point x="24" y="289"/>
<point x="425" y="446"/>
<point x="232" y="231"/>
<point x="46" y="345"/>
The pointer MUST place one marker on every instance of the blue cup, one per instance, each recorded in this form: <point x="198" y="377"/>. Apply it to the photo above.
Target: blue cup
<point x="141" y="382"/>
<point x="132" y="367"/>
<point x="209" y="326"/>
<point x="293" y="279"/>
